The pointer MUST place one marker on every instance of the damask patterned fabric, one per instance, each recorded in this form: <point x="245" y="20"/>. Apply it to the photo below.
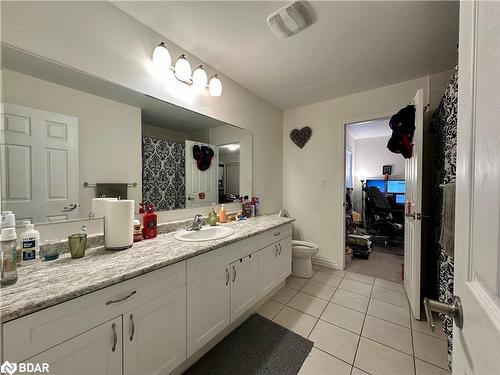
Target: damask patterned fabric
<point x="163" y="173"/>
<point x="444" y="125"/>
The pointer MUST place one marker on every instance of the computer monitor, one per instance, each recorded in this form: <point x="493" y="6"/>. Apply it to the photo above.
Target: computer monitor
<point x="400" y="199"/>
<point x="396" y="186"/>
<point x="380" y="184"/>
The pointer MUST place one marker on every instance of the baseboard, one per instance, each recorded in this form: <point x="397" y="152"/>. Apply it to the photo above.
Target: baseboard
<point x="325" y="263"/>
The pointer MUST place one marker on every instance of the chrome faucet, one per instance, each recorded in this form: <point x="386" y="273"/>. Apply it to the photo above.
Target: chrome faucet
<point x="197" y="223"/>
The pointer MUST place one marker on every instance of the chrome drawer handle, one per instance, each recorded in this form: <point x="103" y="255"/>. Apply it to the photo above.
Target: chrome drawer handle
<point x="276" y="247"/>
<point x="227" y="276"/>
<point x="133" y="327"/>
<point x="234" y="274"/>
<point x="276" y="234"/>
<point x="121" y="299"/>
<point x="280" y="249"/>
<point x="115" y="337"/>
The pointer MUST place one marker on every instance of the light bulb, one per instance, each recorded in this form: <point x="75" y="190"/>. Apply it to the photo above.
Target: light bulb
<point x="200" y="77"/>
<point x="215" y="86"/>
<point x="183" y="69"/>
<point x="161" y="56"/>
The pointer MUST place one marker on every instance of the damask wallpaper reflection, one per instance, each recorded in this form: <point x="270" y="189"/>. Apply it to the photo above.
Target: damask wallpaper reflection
<point x="163" y="173"/>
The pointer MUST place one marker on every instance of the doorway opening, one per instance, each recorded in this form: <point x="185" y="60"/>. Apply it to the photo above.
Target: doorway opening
<point x="375" y="201"/>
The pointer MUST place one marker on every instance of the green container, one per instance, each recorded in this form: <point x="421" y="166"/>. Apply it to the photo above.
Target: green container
<point x="77" y="245"/>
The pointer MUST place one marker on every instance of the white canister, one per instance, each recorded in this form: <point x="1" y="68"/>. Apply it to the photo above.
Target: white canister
<point x="98" y="206"/>
<point x="118" y="224"/>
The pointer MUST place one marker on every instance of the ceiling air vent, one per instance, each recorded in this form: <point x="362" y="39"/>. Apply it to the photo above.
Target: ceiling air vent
<point x="290" y="19"/>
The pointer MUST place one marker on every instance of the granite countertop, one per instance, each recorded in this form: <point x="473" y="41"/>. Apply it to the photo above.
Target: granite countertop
<point x="44" y="284"/>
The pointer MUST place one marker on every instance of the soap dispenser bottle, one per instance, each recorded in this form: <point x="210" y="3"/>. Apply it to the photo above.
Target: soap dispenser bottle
<point x="150" y="222"/>
<point x="212" y="216"/>
<point x="222" y="214"/>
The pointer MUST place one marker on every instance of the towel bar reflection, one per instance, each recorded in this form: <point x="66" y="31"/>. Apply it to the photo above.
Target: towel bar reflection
<point x="87" y="185"/>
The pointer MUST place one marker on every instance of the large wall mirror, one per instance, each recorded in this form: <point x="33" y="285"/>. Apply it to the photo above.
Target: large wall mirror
<point x="67" y="137"/>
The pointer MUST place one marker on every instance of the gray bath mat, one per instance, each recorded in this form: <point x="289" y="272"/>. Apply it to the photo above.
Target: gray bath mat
<point x="258" y="346"/>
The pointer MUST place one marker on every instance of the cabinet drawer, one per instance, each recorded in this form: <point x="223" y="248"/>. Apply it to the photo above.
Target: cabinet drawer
<point x="274" y="235"/>
<point x="212" y="261"/>
<point x="34" y="333"/>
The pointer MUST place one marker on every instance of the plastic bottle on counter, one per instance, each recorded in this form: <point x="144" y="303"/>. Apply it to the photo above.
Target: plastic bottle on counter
<point x="30" y="243"/>
<point x="8" y="266"/>
<point x="222" y="214"/>
<point x="150" y="223"/>
<point x="137" y="231"/>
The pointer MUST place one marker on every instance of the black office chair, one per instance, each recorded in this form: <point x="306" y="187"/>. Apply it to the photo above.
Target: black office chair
<point x="379" y="219"/>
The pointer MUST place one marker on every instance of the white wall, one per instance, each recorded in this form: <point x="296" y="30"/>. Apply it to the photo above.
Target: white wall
<point x="371" y="154"/>
<point x="100" y="39"/>
<point x="109" y="133"/>
<point x="318" y="208"/>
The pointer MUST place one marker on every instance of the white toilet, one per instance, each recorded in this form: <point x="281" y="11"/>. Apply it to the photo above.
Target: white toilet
<point x="302" y="252"/>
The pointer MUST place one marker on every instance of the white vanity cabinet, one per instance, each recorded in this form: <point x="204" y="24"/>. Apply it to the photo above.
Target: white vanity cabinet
<point x="208" y="308"/>
<point x="153" y="323"/>
<point x="154" y="335"/>
<point x="284" y="258"/>
<point x="227" y="282"/>
<point x="98" y="351"/>
<point x="244" y="285"/>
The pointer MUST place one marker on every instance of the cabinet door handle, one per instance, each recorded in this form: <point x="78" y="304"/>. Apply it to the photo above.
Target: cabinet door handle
<point x="280" y="249"/>
<point x="227" y="276"/>
<point x="276" y="234"/>
<point x="276" y="247"/>
<point x="133" y="327"/>
<point x="115" y="337"/>
<point x="121" y="299"/>
<point x="234" y="274"/>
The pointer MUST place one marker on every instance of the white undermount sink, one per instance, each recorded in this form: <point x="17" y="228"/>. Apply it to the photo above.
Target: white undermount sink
<point x="206" y="233"/>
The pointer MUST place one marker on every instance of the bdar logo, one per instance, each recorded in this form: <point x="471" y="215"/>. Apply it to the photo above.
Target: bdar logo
<point x="8" y="368"/>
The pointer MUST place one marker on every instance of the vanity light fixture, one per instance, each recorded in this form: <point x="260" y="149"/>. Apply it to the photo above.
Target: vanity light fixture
<point x="215" y="86"/>
<point x="182" y="71"/>
<point x="161" y="56"/>
<point x="200" y="78"/>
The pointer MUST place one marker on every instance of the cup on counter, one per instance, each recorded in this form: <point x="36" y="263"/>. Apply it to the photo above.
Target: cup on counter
<point x="51" y="249"/>
<point x="77" y="245"/>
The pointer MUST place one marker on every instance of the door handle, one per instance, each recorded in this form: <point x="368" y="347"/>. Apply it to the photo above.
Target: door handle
<point x="71" y="207"/>
<point x="133" y="327"/>
<point x="190" y="198"/>
<point x="115" y="337"/>
<point x="453" y="309"/>
<point x="234" y="274"/>
<point x="227" y="276"/>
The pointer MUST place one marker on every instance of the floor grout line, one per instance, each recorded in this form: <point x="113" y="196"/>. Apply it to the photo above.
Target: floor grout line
<point x="360" y="335"/>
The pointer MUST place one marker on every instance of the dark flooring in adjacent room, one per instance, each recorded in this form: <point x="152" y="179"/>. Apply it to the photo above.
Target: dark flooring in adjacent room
<point x="383" y="262"/>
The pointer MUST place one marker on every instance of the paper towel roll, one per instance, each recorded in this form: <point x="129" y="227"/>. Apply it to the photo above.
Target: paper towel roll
<point x="98" y="206"/>
<point x="118" y="224"/>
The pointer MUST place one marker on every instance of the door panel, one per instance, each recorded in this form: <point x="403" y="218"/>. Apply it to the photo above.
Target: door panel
<point x="244" y="285"/>
<point x="208" y="305"/>
<point x="200" y="181"/>
<point x="268" y="263"/>
<point x="477" y="222"/>
<point x="284" y="259"/>
<point x="155" y="335"/>
<point x="91" y="352"/>
<point x="39" y="156"/>
<point x="413" y="223"/>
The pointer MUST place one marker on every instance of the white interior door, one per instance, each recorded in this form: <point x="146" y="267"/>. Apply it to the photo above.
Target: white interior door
<point x="232" y="178"/>
<point x="413" y="222"/>
<point x="39" y="164"/>
<point x="200" y="181"/>
<point x="476" y="346"/>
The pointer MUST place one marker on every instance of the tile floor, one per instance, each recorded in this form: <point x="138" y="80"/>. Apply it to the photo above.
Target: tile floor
<point x="381" y="263"/>
<point x="359" y="325"/>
